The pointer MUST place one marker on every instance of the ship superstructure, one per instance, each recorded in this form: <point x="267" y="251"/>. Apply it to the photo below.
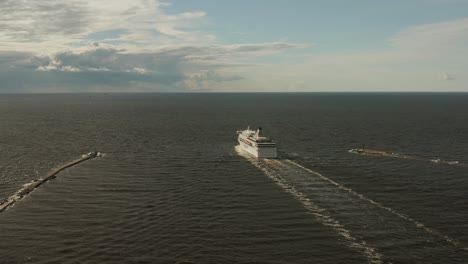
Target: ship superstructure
<point x="256" y="144"/>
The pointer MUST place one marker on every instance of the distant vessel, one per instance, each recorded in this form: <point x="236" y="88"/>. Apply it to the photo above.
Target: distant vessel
<point x="256" y="144"/>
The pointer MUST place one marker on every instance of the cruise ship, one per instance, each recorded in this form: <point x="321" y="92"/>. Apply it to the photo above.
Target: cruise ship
<point x="256" y="144"/>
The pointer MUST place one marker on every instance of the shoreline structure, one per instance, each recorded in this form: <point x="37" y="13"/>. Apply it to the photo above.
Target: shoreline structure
<point x="381" y="153"/>
<point x="36" y="183"/>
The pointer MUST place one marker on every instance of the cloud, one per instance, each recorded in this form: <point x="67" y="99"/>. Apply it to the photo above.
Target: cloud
<point x="434" y="37"/>
<point x="13" y="58"/>
<point x="195" y="68"/>
<point x="216" y="52"/>
<point x="91" y="70"/>
<point x="30" y="80"/>
<point x="98" y="57"/>
<point x="407" y="61"/>
<point x="32" y="20"/>
<point x="137" y="45"/>
<point x="204" y="81"/>
<point x="51" y="45"/>
<point x="52" y="25"/>
<point x="445" y="76"/>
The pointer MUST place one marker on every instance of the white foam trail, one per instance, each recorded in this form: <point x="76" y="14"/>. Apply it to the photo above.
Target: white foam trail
<point x="18" y="195"/>
<point x="362" y="197"/>
<point x="321" y="214"/>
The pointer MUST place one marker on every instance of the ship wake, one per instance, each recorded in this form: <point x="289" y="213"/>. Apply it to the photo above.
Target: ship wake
<point x="366" y="225"/>
<point x="321" y="214"/>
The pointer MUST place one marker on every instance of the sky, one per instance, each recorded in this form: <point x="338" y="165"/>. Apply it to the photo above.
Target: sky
<point x="49" y="46"/>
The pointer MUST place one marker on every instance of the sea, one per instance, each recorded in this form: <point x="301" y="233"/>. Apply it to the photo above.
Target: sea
<point x="172" y="185"/>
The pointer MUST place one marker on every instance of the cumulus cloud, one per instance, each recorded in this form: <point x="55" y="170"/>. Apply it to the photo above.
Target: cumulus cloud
<point x="126" y="44"/>
<point x="204" y="81"/>
<point x="86" y="71"/>
<point x="32" y="20"/>
<point x="195" y="68"/>
<point x="69" y="79"/>
<point x="53" y="25"/>
<point x="164" y="59"/>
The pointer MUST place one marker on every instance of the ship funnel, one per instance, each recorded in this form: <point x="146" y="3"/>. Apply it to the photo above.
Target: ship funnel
<point x="258" y="133"/>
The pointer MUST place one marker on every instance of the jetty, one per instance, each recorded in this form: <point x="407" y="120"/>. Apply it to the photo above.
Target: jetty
<point x="36" y="183"/>
<point x="381" y="153"/>
<point x="372" y="152"/>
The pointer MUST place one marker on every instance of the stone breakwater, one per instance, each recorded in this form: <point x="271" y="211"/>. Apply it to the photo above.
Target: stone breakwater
<point x="36" y="183"/>
<point x="371" y="152"/>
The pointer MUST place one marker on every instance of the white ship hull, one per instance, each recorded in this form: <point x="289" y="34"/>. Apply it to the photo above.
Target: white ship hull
<point x="257" y="149"/>
<point x="262" y="153"/>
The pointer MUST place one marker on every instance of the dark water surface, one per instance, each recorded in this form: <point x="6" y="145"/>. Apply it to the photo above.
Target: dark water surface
<point x="172" y="188"/>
